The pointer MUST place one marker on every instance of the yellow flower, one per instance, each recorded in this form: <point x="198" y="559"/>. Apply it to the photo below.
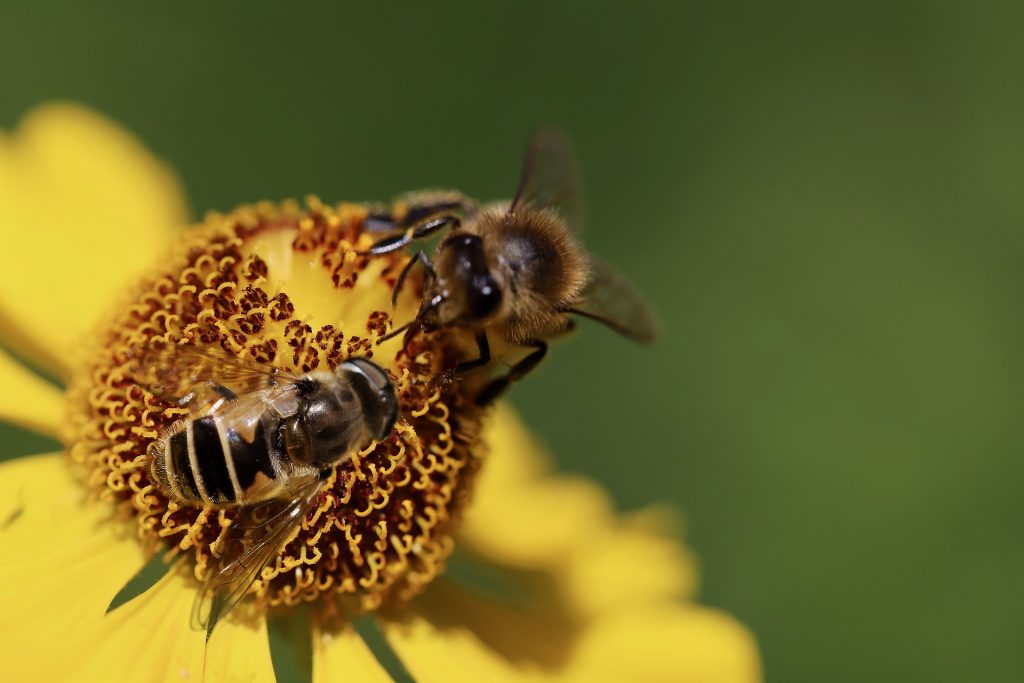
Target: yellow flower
<point x="85" y="211"/>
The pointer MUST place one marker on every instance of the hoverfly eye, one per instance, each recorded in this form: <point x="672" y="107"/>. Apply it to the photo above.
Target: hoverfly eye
<point x="326" y="433"/>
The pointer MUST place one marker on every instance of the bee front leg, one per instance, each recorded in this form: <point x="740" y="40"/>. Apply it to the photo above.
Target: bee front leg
<point x="483" y="347"/>
<point x="419" y="207"/>
<point x="403" y="239"/>
<point x="419" y="257"/>
<point x="498" y="387"/>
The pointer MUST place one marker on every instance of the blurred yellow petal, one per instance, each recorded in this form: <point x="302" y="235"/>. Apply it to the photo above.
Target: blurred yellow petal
<point x="551" y="516"/>
<point x="515" y="456"/>
<point x="511" y="479"/>
<point x="600" y="559"/>
<point x="453" y="635"/>
<point x="84" y="208"/>
<point x="635" y="561"/>
<point x="344" y="657"/>
<point x="673" y="644"/>
<point x="27" y="399"/>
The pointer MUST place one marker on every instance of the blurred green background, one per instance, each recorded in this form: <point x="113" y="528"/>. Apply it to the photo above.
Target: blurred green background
<point x="823" y="203"/>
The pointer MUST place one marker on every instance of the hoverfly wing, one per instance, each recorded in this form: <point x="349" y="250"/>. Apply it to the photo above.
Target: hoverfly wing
<point x="611" y="299"/>
<point x="254" y="538"/>
<point x="196" y="376"/>
<point x="551" y="178"/>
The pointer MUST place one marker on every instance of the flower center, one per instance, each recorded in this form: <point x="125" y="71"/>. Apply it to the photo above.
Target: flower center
<point x="285" y="285"/>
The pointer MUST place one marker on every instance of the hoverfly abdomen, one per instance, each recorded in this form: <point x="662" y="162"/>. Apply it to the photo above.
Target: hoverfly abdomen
<point x="215" y="473"/>
<point x="175" y="470"/>
<point x="254" y="467"/>
<point x="207" y="461"/>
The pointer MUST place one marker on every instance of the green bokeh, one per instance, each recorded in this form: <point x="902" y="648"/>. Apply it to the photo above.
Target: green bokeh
<point x="824" y="205"/>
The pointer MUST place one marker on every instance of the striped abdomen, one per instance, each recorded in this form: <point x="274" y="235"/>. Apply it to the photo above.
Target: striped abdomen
<point x="205" y="461"/>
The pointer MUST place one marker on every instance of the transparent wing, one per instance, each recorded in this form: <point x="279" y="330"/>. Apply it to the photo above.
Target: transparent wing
<point x="194" y="375"/>
<point x="256" y="536"/>
<point x="551" y="178"/>
<point x="611" y="299"/>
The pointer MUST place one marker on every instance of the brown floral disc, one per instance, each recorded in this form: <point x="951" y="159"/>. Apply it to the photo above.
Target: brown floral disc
<point x="287" y="286"/>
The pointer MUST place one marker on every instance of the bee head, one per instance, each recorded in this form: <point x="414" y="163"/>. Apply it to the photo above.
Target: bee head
<point x="471" y="294"/>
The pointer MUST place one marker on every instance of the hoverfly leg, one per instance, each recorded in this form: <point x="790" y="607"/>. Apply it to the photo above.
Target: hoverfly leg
<point x="419" y="257"/>
<point x="402" y="240"/>
<point x="497" y="387"/>
<point x="207" y="395"/>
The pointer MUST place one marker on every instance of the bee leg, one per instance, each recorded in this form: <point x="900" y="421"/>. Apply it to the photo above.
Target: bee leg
<point x="419" y="257"/>
<point x="420" y="209"/>
<point x="496" y="388"/>
<point x="483" y="346"/>
<point x="401" y="240"/>
<point x="397" y="331"/>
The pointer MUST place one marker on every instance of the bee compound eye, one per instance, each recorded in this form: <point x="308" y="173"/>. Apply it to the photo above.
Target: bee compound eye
<point x="484" y="297"/>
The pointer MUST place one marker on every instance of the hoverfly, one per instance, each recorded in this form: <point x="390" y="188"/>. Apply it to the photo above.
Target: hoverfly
<point x="260" y="441"/>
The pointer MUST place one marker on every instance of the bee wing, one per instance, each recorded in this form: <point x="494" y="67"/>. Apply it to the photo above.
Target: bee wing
<point x="611" y="299"/>
<point x="192" y="375"/>
<point x="256" y="536"/>
<point x="551" y="177"/>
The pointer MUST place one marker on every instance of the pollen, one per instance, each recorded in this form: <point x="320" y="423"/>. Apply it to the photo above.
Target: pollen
<point x="288" y="285"/>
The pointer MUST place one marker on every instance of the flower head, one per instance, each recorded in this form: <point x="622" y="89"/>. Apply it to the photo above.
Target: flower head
<point x="560" y="586"/>
<point x="290" y="288"/>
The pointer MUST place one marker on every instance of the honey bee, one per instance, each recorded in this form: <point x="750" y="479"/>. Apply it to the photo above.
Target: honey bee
<point x="514" y="271"/>
<point x="260" y="441"/>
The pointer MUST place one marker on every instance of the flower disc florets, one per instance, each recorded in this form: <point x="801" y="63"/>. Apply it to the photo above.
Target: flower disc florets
<point x="288" y="286"/>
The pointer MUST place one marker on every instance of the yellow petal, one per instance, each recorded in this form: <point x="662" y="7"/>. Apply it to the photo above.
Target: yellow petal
<point x="515" y="455"/>
<point x="674" y="644"/>
<point x="44" y="508"/>
<point x="537" y="524"/>
<point x="84" y="208"/>
<point x="634" y="562"/>
<point x="511" y="479"/>
<point x="343" y="656"/>
<point x="599" y="559"/>
<point x="27" y="399"/>
<point x="62" y="560"/>
<point x="451" y="635"/>
<point x="59" y="567"/>
<point x="149" y="639"/>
